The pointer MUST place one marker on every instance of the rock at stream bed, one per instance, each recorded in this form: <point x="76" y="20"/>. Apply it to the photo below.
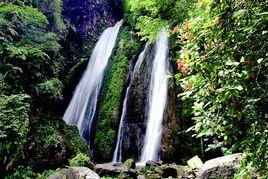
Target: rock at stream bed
<point x="221" y="167"/>
<point x="75" y="173"/>
<point x="130" y="163"/>
<point x="151" y="163"/>
<point x="175" y="171"/>
<point x="195" y="162"/>
<point x="113" y="170"/>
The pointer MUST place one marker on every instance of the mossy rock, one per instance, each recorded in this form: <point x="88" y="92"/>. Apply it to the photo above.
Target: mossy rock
<point x="130" y="163"/>
<point x="112" y="93"/>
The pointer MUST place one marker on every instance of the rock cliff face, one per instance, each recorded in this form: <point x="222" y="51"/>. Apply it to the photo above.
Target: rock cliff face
<point x="85" y="21"/>
<point x="112" y="94"/>
<point x="171" y="122"/>
<point x="136" y="114"/>
<point x="136" y="117"/>
<point x="92" y="16"/>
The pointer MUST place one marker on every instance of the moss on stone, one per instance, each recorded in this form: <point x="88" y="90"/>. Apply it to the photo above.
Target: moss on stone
<point x="112" y="91"/>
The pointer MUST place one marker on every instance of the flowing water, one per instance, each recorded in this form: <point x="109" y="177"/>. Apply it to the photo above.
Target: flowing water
<point x="82" y="107"/>
<point x="117" y="157"/>
<point x="157" y="101"/>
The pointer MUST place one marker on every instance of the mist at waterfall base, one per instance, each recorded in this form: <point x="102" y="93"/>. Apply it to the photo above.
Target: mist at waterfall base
<point x="82" y="107"/>
<point x="117" y="157"/>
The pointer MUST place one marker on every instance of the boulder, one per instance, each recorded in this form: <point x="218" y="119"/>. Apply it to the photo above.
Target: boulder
<point x="151" y="163"/>
<point x="158" y="170"/>
<point x="130" y="163"/>
<point x="113" y="170"/>
<point x="141" y="177"/>
<point x="221" y="167"/>
<point x="175" y="171"/>
<point x="195" y="162"/>
<point x="170" y="172"/>
<point x="75" y="173"/>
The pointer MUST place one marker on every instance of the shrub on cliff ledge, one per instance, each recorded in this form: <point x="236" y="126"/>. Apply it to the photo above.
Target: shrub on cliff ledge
<point x="81" y="160"/>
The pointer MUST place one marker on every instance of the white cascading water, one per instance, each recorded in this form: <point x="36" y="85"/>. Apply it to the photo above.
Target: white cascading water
<point x="157" y="101"/>
<point x="117" y="157"/>
<point x="82" y="107"/>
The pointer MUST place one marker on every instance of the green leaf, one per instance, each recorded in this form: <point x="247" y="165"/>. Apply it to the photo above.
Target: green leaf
<point x="231" y="111"/>
<point x="239" y="88"/>
<point x="260" y="60"/>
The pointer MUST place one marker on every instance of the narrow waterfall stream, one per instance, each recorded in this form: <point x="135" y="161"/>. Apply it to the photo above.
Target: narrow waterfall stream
<point x="157" y="101"/>
<point x="117" y="157"/>
<point x="82" y="107"/>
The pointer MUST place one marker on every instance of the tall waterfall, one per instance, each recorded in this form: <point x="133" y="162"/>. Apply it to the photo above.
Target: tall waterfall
<point x="117" y="157"/>
<point x="82" y="107"/>
<point x="157" y="100"/>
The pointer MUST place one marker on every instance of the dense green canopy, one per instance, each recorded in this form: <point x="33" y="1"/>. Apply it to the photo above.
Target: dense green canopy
<point x="218" y="49"/>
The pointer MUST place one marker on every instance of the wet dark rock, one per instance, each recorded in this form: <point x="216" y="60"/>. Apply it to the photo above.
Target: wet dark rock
<point x="171" y="123"/>
<point x="91" y="16"/>
<point x="221" y="167"/>
<point x="175" y="171"/>
<point x="136" y="115"/>
<point x="113" y="170"/>
<point x="169" y="172"/>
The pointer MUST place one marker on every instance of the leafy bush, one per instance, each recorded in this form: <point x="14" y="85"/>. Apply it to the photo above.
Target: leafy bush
<point x="50" y="91"/>
<point x="14" y="127"/>
<point x="223" y="74"/>
<point x="151" y="16"/>
<point x="22" y="172"/>
<point x="81" y="160"/>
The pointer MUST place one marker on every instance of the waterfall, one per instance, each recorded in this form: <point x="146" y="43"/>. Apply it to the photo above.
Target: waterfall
<point x="157" y="101"/>
<point x="82" y="107"/>
<point x="117" y="157"/>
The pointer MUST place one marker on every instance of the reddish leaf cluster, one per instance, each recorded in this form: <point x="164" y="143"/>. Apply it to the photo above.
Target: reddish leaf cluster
<point x="203" y="58"/>
<point x="248" y="63"/>
<point x="217" y="21"/>
<point x="182" y="66"/>
<point x="175" y="30"/>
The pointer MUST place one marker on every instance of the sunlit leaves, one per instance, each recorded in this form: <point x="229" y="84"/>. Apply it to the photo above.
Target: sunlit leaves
<point x="227" y="59"/>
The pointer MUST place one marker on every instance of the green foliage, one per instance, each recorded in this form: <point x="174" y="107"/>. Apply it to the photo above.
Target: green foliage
<point x="73" y="140"/>
<point x="50" y="91"/>
<point x="151" y="16"/>
<point x="125" y="51"/>
<point x="24" y="14"/>
<point x="32" y="133"/>
<point x="46" y="174"/>
<point x="14" y="127"/>
<point x="149" y="27"/>
<point x="26" y="48"/>
<point x="81" y="160"/>
<point x="223" y="74"/>
<point x="22" y="172"/>
<point x="53" y="10"/>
